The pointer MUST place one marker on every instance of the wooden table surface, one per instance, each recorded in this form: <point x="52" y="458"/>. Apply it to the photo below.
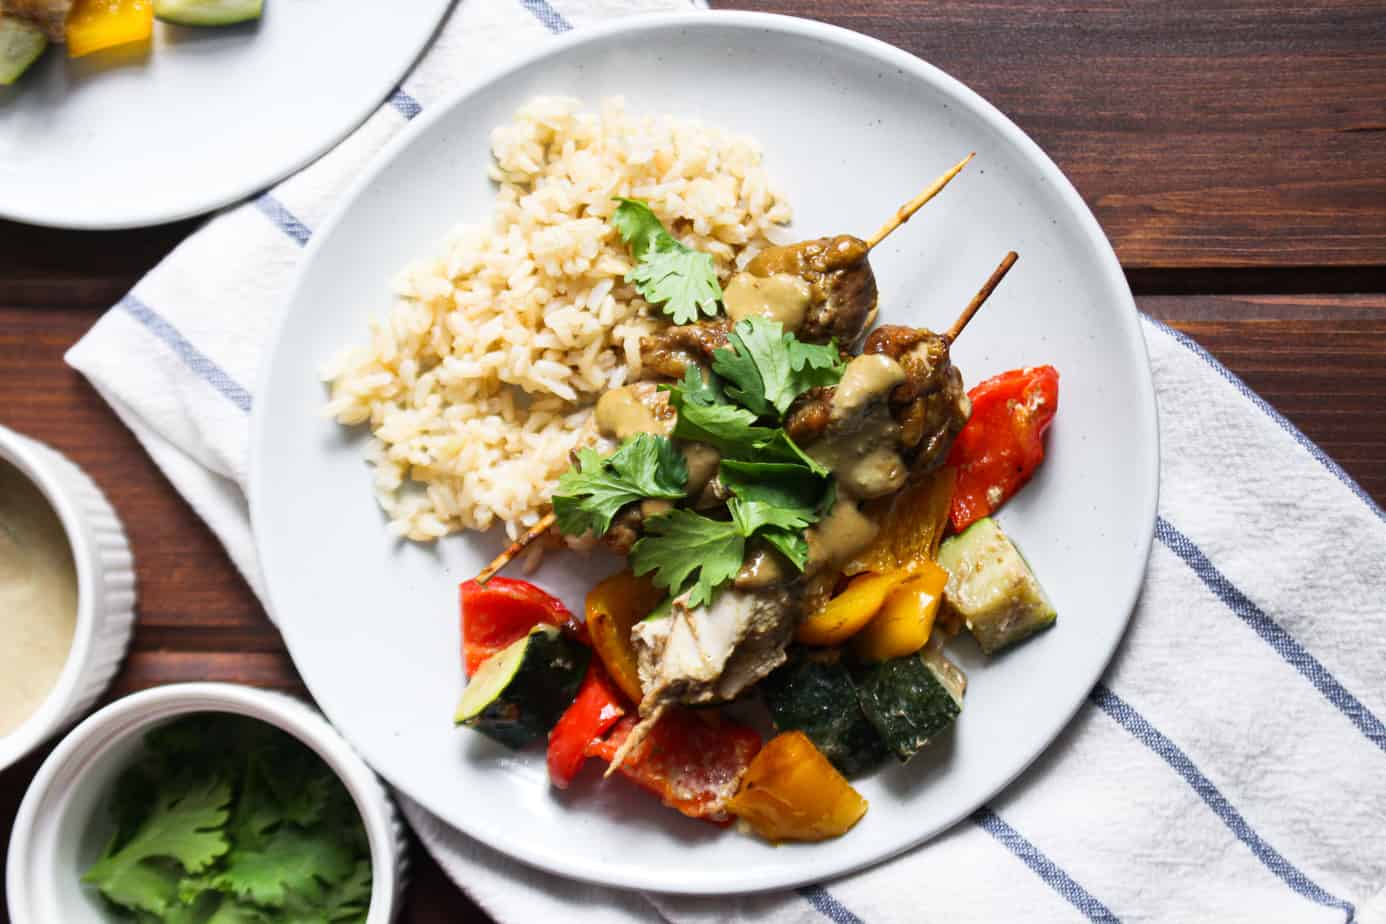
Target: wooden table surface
<point x="1235" y="152"/>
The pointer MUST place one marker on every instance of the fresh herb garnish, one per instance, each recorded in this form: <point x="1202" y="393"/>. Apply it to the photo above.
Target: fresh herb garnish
<point x="226" y="819"/>
<point x="644" y="466"/>
<point x="767" y="368"/>
<point x="688" y="550"/>
<point x="733" y="432"/>
<point x="667" y="273"/>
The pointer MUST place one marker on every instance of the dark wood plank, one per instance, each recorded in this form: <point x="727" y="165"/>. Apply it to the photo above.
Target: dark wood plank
<point x="1202" y="134"/>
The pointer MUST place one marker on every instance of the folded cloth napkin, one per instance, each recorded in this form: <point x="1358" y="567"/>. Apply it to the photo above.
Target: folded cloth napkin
<point x="1231" y="764"/>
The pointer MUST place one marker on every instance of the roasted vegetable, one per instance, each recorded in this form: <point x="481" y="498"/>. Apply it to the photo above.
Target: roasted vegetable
<point x="792" y="793"/>
<point x="613" y="607"/>
<point x="904" y="623"/>
<point x="207" y="12"/>
<point x="911" y="699"/>
<point x="692" y="759"/>
<point x="1003" y="442"/>
<point x="814" y="694"/>
<point x="597" y="707"/>
<point x="519" y="693"/>
<point x="97" y="24"/>
<point x="844" y="615"/>
<point x="992" y="587"/>
<point x="21" y="44"/>
<point x="912" y="526"/>
<point x="499" y="612"/>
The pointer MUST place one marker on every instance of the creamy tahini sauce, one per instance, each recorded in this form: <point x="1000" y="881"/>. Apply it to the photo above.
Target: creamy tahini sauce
<point x="38" y="598"/>
<point x="781" y="297"/>
<point x="621" y="413"/>
<point x="839" y="536"/>
<point x="861" y="445"/>
<point x="867" y="377"/>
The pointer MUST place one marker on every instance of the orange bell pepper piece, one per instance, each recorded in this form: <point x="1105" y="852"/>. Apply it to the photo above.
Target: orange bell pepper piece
<point x="792" y="793"/>
<point x="846" y="614"/>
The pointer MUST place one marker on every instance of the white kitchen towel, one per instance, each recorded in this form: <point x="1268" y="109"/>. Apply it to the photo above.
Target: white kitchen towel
<point x="1229" y="767"/>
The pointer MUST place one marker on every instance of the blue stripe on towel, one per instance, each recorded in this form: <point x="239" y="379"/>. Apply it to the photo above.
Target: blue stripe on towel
<point x="1281" y="420"/>
<point x="406" y="104"/>
<point x="1269" y="630"/>
<point x="283" y="219"/>
<point x="192" y="357"/>
<point x="1151" y="737"/>
<point x="829" y="907"/>
<point x="551" y="18"/>
<point x="1043" y="867"/>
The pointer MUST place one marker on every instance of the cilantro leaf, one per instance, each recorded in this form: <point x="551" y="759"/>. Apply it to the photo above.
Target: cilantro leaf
<point x="791" y="543"/>
<point x="750" y="516"/>
<point x="694" y="387"/>
<point x="768" y="368"/>
<point x="639" y="227"/>
<point x="667" y="272"/>
<point x="291" y="859"/>
<point x="681" y="546"/>
<point x="185" y="826"/>
<point x="783" y="484"/>
<point x="644" y="466"/>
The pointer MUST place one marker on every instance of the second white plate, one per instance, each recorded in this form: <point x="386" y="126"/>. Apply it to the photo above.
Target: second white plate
<point x="198" y="118"/>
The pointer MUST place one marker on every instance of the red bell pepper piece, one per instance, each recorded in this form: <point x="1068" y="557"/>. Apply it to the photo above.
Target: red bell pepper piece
<point x="503" y="610"/>
<point x="1003" y="442"/>
<point x="692" y="759"/>
<point x="597" y="706"/>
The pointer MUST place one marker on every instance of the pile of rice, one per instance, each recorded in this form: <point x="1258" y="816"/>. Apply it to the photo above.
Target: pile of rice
<point x="478" y="382"/>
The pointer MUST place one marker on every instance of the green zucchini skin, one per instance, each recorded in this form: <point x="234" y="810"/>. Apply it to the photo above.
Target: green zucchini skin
<point x="541" y="688"/>
<point x="21" y="44"/>
<point x="814" y="694"/>
<point x="907" y="702"/>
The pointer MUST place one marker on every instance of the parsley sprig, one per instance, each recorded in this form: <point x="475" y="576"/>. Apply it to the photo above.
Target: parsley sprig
<point x="667" y="272"/>
<point x="645" y="465"/>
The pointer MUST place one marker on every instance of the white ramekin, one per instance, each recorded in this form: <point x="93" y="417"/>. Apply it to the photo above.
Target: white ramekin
<point x="62" y="823"/>
<point x="105" y="590"/>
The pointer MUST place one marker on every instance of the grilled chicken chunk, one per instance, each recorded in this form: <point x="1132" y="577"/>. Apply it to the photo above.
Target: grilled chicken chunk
<point x="820" y="290"/>
<point x="712" y="653"/>
<point x="924" y="400"/>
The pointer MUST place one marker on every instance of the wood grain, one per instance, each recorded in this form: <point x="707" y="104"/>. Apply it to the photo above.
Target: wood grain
<point x="1202" y="134"/>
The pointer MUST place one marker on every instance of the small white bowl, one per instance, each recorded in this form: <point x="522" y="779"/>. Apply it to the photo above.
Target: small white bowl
<point x="62" y="824"/>
<point x="105" y="590"/>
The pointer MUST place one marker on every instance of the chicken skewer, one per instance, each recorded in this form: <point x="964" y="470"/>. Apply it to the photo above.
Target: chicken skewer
<point x="821" y="290"/>
<point x="708" y="337"/>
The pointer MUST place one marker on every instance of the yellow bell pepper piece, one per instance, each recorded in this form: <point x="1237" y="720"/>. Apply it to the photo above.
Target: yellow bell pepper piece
<point x="612" y="609"/>
<point x="792" y="793"/>
<point x="904" y="623"/>
<point x="844" y="615"/>
<point x="96" y="24"/>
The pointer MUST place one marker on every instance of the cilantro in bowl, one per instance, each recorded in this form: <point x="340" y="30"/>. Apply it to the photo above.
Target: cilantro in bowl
<point x="228" y="819"/>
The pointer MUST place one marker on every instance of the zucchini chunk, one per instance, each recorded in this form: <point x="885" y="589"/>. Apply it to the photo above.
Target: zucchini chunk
<point x="814" y="694"/>
<point x="519" y="692"/>
<point x="909" y="700"/>
<point x="207" y="12"/>
<point x="21" y="44"/>
<point x="992" y="587"/>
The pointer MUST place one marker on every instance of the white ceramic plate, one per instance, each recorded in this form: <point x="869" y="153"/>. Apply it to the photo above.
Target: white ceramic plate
<point x="852" y="127"/>
<point x="199" y="117"/>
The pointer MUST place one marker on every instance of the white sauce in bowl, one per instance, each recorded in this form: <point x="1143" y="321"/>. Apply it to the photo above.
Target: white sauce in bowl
<point x="38" y="598"/>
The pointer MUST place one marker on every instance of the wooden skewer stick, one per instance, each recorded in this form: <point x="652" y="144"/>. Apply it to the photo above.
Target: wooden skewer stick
<point x="516" y="547"/>
<point x="982" y="295"/>
<point x="903" y="213"/>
